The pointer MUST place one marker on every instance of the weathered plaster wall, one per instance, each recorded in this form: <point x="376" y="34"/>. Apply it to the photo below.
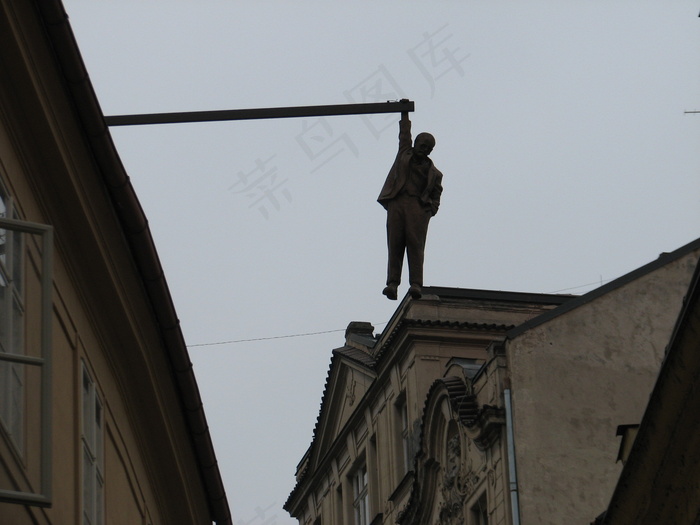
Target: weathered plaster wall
<point x="578" y="376"/>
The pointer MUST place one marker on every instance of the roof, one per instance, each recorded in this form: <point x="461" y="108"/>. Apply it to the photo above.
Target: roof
<point x="666" y="451"/>
<point x="662" y="260"/>
<point x="445" y="292"/>
<point x="356" y="355"/>
<point x="135" y="227"/>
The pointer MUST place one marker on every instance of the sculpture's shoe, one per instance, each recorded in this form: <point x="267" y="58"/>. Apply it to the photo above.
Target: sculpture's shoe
<point x="390" y="292"/>
<point x="415" y="291"/>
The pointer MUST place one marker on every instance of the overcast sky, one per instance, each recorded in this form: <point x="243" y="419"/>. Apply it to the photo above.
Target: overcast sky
<point x="567" y="155"/>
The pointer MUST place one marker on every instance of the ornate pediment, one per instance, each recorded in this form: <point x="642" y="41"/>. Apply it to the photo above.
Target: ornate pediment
<point x="451" y="466"/>
<point x="348" y="381"/>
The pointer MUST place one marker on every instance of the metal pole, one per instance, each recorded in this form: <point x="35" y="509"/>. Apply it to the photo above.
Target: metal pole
<point x="261" y="113"/>
<point x="512" y="472"/>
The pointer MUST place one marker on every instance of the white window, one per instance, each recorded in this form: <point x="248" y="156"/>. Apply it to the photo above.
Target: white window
<point x="93" y="455"/>
<point x="361" y="496"/>
<point x="25" y="359"/>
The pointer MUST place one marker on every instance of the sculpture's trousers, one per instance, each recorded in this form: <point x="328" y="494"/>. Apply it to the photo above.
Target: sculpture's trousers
<point x="406" y="229"/>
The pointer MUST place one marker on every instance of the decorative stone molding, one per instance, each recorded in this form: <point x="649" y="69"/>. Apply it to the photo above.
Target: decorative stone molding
<point x="455" y="486"/>
<point x="485" y="429"/>
<point x="450" y="464"/>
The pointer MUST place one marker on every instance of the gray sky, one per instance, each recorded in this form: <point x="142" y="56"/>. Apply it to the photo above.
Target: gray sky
<point x="567" y="160"/>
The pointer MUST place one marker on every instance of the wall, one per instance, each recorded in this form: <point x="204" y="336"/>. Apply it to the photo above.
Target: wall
<point x="579" y="375"/>
<point x="101" y="316"/>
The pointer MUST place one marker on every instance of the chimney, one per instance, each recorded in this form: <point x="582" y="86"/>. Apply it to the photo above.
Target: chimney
<point x="360" y="335"/>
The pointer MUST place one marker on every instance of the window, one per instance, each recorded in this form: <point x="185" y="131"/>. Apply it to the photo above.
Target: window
<point x="25" y="357"/>
<point x="361" y="496"/>
<point x="402" y="440"/>
<point x="339" y="505"/>
<point x="93" y="456"/>
<point x="11" y="327"/>
<point x="479" y="512"/>
<point x="405" y="436"/>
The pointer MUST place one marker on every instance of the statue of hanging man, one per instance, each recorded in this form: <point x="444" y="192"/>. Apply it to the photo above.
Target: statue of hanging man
<point x="411" y="196"/>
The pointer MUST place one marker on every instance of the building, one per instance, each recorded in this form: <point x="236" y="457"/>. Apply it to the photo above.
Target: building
<point x="482" y="407"/>
<point x="660" y="481"/>
<point x="360" y="466"/>
<point x="100" y="416"/>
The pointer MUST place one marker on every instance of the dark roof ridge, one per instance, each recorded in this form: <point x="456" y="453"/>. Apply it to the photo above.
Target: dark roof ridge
<point x="135" y="226"/>
<point x="663" y="259"/>
<point x="501" y="295"/>
<point x="343" y="352"/>
<point x="356" y="355"/>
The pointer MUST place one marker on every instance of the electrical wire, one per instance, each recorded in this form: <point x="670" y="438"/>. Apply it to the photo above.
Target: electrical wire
<point x="266" y="338"/>
<point x="308" y="334"/>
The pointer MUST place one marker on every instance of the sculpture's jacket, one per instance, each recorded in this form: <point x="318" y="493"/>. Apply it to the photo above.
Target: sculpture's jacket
<point x="430" y="198"/>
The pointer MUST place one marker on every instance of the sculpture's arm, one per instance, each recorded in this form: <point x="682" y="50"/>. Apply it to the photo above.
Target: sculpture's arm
<point x="404" y="132"/>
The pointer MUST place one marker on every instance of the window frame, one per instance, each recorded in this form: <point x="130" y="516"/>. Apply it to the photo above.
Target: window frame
<point x="12" y="330"/>
<point x="42" y="498"/>
<point x="360" y="493"/>
<point x="479" y="511"/>
<point x="92" y="434"/>
<point x="405" y="435"/>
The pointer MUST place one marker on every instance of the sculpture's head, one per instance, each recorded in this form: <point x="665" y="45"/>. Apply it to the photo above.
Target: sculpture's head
<point x="423" y="145"/>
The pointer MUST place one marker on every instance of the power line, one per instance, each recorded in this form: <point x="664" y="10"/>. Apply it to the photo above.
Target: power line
<point x="266" y="338"/>
<point x="599" y="283"/>
<point x="307" y="334"/>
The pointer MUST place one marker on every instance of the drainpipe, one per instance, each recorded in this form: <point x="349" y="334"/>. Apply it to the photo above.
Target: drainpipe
<point x="512" y="473"/>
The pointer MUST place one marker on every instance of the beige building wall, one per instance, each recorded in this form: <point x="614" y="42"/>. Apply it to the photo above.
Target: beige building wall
<point x="400" y="369"/>
<point x="578" y="376"/>
<point x="112" y="374"/>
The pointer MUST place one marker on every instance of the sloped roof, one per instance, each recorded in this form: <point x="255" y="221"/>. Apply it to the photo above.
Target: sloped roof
<point x="662" y="260"/>
<point x="135" y="227"/>
<point x="666" y="452"/>
<point x="354" y="355"/>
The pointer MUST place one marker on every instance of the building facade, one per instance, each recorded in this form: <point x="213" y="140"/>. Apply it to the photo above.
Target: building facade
<point x="361" y="467"/>
<point x="660" y="480"/>
<point x="480" y="407"/>
<point x="100" y="416"/>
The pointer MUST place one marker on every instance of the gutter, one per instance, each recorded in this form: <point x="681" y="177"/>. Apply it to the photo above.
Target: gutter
<point x="512" y="472"/>
<point x="138" y="235"/>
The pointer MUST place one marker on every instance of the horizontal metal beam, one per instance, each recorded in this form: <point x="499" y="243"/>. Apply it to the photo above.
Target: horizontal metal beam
<point x="261" y="113"/>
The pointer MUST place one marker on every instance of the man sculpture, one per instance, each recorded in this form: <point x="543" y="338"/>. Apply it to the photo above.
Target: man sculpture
<point x="411" y="196"/>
